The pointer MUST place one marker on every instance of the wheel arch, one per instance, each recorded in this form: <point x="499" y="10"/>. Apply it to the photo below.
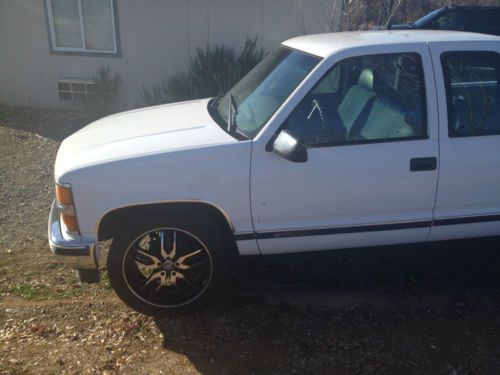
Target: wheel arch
<point x="116" y="218"/>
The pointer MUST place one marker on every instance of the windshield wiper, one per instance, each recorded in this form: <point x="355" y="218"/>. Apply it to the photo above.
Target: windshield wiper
<point x="215" y="100"/>
<point x="232" y="111"/>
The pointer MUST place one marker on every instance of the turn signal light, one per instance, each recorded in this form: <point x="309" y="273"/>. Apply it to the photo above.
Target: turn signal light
<point x="64" y="195"/>
<point x="64" y="198"/>
<point x="70" y="223"/>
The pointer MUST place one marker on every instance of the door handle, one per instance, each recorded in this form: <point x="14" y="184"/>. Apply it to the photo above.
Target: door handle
<point x="423" y="164"/>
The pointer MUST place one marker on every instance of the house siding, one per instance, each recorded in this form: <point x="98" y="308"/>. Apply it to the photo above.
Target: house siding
<point x="156" y="37"/>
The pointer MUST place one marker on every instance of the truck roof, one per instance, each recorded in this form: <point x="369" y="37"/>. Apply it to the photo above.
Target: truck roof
<point x="324" y="45"/>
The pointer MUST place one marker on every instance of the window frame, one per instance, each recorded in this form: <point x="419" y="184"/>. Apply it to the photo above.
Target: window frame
<point x="54" y="49"/>
<point x="71" y="91"/>
<point x="374" y="141"/>
<point x="447" y="86"/>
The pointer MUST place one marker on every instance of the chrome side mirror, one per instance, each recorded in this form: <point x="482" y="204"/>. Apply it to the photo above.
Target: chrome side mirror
<point x="288" y="147"/>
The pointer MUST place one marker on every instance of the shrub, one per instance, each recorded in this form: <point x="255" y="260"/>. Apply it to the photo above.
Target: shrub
<point x="103" y="100"/>
<point x="212" y="70"/>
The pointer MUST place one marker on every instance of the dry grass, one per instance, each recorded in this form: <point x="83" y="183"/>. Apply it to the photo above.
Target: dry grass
<point x="418" y="309"/>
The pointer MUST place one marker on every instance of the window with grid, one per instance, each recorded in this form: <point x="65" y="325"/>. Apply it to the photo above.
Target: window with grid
<point x="82" y="26"/>
<point x="74" y="90"/>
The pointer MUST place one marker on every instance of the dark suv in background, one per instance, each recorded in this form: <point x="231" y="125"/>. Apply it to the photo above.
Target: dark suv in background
<point x="478" y="19"/>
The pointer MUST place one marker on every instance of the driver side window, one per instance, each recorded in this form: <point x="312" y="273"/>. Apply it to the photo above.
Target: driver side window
<point x="362" y="100"/>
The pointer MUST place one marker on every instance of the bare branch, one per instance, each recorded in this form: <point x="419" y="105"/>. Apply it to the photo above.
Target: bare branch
<point x="391" y="10"/>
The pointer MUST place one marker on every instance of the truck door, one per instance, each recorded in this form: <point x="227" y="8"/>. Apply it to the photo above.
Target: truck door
<point x="468" y="87"/>
<point x="370" y="128"/>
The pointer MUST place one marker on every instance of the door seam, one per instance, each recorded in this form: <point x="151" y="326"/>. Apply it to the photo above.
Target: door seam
<point x="250" y="197"/>
<point x="438" y="102"/>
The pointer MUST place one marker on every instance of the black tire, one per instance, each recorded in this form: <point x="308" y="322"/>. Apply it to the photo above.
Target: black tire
<point x="133" y="287"/>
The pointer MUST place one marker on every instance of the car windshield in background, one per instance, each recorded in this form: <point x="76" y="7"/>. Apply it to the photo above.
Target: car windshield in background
<point x="428" y="17"/>
<point x="252" y="101"/>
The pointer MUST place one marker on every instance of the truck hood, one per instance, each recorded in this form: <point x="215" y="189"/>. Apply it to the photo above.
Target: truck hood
<point x="141" y="132"/>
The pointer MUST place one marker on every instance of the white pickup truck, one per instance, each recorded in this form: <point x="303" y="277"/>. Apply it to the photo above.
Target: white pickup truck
<point x="332" y="141"/>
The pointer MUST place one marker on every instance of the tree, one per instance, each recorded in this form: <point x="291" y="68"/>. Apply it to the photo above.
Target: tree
<point x="334" y="16"/>
<point x="389" y="8"/>
<point x="329" y="13"/>
<point x="334" y="20"/>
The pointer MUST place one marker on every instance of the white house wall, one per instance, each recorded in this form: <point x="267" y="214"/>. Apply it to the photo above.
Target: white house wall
<point x="157" y="38"/>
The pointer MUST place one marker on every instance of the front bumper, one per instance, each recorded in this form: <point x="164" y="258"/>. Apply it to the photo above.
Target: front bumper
<point x="75" y="252"/>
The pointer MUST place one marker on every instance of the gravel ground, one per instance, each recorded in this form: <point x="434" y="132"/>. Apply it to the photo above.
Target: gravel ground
<point x="416" y="309"/>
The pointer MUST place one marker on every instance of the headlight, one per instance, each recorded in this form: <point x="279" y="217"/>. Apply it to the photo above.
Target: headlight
<point x="64" y="200"/>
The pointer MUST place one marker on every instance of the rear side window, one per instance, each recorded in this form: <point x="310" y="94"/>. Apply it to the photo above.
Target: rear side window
<point x="486" y="22"/>
<point x="472" y="81"/>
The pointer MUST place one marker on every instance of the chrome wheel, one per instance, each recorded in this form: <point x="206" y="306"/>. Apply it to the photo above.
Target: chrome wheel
<point x="167" y="267"/>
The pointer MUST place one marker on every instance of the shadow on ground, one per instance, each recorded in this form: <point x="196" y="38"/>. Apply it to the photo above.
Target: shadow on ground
<point x="412" y="309"/>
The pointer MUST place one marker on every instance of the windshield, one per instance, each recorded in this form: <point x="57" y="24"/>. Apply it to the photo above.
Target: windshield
<point x="422" y="22"/>
<point x="252" y="101"/>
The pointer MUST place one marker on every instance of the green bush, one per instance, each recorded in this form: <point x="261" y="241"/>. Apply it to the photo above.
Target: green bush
<point x="103" y="100"/>
<point x="212" y="70"/>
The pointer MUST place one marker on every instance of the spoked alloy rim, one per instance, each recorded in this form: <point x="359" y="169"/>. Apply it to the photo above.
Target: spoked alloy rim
<point x="167" y="267"/>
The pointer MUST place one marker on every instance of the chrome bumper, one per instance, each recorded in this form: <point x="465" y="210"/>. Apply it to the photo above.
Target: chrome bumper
<point x="75" y="252"/>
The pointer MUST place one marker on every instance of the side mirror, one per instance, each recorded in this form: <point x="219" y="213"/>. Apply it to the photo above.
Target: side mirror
<point x="288" y="147"/>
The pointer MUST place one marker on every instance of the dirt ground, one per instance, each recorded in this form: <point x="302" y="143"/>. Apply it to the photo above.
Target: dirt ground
<point x="419" y="309"/>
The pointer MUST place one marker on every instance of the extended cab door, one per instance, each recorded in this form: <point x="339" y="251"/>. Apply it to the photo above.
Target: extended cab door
<point x="468" y="87"/>
<point x="369" y="123"/>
